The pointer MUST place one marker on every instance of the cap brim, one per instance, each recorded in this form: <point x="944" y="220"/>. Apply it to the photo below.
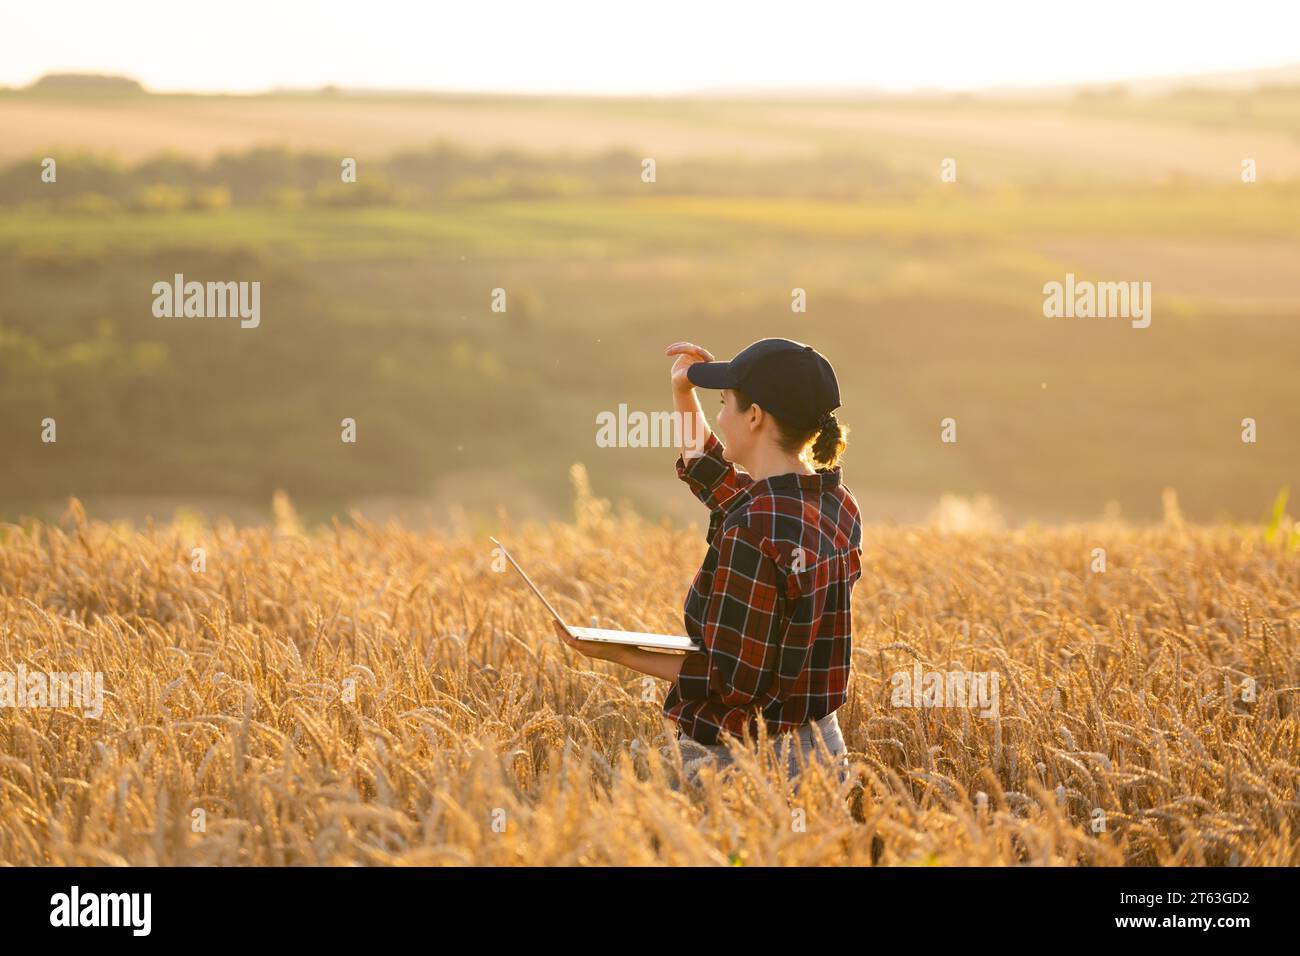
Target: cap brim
<point x="710" y="375"/>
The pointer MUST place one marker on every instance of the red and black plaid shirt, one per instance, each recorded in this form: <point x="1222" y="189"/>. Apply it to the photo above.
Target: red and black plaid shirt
<point x="770" y="605"/>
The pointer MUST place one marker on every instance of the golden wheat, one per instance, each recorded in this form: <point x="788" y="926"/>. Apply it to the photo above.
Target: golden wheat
<point x="374" y="695"/>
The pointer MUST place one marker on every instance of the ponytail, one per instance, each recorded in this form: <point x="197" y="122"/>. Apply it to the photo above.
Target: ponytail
<point x="829" y="441"/>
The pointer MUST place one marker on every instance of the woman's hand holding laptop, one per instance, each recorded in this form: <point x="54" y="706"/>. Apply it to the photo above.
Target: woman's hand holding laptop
<point x="600" y="650"/>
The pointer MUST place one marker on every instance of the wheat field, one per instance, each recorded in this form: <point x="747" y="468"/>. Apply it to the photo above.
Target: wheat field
<point x="374" y="695"/>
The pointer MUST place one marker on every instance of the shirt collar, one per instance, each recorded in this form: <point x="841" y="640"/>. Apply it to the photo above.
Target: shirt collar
<point x="825" y="479"/>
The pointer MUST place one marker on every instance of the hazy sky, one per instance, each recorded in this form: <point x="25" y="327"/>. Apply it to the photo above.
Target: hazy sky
<point x="663" y="46"/>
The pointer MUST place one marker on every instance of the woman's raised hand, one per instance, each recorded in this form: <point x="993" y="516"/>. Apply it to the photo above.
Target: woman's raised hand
<point x="687" y="355"/>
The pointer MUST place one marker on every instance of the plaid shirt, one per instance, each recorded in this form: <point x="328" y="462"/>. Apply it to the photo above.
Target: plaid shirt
<point x="770" y="605"/>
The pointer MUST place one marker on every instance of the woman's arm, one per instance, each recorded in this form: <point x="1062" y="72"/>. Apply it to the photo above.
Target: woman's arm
<point x="695" y="426"/>
<point x="663" y="666"/>
<point x="701" y="464"/>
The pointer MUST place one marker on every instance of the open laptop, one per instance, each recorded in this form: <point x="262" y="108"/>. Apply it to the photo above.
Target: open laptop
<point x="635" y="638"/>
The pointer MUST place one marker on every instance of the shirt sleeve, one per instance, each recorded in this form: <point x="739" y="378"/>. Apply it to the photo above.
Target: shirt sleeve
<point x="741" y="632"/>
<point x="711" y="477"/>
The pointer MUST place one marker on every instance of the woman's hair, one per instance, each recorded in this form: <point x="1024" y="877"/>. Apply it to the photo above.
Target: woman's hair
<point x="821" y="445"/>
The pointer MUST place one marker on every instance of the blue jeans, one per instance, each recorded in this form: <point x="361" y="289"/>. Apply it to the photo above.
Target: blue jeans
<point x="791" y="747"/>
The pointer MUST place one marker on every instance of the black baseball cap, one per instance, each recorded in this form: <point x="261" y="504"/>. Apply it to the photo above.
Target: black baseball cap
<point x="791" y="380"/>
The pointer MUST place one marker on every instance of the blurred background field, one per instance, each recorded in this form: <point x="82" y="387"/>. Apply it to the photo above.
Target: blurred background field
<point x="376" y="297"/>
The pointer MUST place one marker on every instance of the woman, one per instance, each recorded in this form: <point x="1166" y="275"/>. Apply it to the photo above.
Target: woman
<point x="770" y="605"/>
